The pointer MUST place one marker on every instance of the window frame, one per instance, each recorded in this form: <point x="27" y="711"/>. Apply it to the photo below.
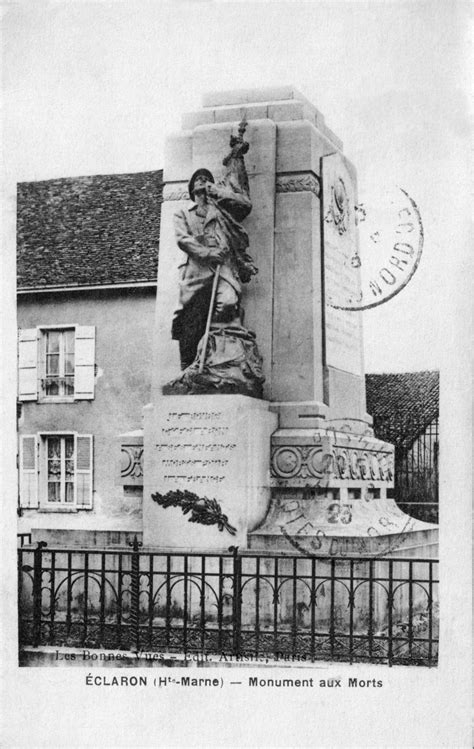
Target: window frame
<point x="32" y="346"/>
<point x="44" y="397"/>
<point x="62" y="502"/>
<point x="42" y="502"/>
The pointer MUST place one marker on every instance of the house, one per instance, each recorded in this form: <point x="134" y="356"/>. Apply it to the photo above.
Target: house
<point x="405" y="409"/>
<point x="87" y="265"/>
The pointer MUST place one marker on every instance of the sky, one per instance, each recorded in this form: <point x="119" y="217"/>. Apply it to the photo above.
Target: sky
<point x="94" y="88"/>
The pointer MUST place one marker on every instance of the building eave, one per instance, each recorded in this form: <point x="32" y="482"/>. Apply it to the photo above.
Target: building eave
<point x="93" y="287"/>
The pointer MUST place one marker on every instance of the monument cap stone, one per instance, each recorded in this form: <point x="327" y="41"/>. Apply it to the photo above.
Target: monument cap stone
<point x="278" y="103"/>
<point x="250" y="96"/>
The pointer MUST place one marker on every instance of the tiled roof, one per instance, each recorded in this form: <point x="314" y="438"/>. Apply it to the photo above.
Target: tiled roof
<point x="95" y="230"/>
<point x="403" y="405"/>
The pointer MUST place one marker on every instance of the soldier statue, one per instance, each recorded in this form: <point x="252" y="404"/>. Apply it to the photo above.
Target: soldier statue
<point x="217" y="353"/>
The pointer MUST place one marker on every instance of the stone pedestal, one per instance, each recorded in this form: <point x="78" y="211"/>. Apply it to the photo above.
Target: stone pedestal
<point x="216" y="447"/>
<point x="322" y="525"/>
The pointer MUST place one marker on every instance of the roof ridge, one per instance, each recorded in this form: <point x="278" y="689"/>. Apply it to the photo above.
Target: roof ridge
<point x="87" y="176"/>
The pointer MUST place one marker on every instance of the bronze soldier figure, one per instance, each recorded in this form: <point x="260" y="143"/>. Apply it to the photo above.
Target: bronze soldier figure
<point x="217" y="353"/>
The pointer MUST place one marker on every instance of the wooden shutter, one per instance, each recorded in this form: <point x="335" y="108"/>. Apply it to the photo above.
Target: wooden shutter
<point x="28" y="364"/>
<point x="83" y="478"/>
<point x="84" y="362"/>
<point x="28" y="470"/>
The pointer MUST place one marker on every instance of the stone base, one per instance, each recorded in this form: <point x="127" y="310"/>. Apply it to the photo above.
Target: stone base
<point x="201" y="451"/>
<point x="329" y="492"/>
<point x="323" y="526"/>
<point x="421" y="544"/>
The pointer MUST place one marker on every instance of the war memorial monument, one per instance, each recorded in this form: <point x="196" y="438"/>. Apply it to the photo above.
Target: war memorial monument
<point x="257" y="432"/>
<point x="258" y="395"/>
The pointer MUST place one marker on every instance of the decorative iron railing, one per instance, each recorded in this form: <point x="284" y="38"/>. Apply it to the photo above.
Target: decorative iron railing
<point x="416" y="440"/>
<point x="232" y="604"/>
<point x="23" y="538"/>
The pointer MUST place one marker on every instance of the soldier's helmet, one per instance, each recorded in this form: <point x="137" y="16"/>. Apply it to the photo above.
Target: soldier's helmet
<point x="199" y="173"/>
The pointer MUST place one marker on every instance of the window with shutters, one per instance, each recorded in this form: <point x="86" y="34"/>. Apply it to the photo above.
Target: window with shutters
<point x="60" y="469"/>
<point x="59" y="362"/>
<point x="56" y="471"/>
<point x="56" y="363"/>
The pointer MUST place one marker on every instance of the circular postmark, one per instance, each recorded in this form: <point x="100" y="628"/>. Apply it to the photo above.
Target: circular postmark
<point x="337" y="546"/>
<point x="387" y="255"/>
<point x="388" y="530"/>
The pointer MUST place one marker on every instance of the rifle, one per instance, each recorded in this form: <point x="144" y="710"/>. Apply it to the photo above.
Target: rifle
<point x="235" y="165"/>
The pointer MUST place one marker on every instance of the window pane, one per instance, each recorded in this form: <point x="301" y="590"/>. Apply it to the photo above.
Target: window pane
<point x="54" y="492"/>
<point x="69" y="492"/>
<point x="69" y="441"/>
<point x="54" y="470"/>
<point x="69" y="339"/>
<point x="54" y="447"/>
<point x="69" y="364"/>
<point x="52" y="342"/>
<point x="69" y="385"/>
<point x="52" y="364"/>
<point x="52" y="387"/>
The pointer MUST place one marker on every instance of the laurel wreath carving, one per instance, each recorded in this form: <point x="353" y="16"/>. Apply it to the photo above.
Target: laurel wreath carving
<point x="298" y="183"/>
<point x="177" y="194"/>
<point x="203" y="510"/>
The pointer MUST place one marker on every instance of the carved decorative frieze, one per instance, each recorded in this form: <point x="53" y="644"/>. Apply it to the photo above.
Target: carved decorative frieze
<point x="291" y="461"/>
<point x="298" y="182"/>
<point x="365" y="465"/>
<point x="131" y="465"/>
<point x="176" y="191"/>
<point x="309" y="461"/>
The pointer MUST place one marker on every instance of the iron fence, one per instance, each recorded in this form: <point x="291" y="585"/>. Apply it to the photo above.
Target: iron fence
<point x="23" y="539"/>
<point x="416" y="440"/>
<point x="245" y="605"/>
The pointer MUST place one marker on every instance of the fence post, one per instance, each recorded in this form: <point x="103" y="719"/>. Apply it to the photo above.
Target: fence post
<point x="37" y="585"/>
<point x="236" y="600"/>
<point x="135" y="593"/>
